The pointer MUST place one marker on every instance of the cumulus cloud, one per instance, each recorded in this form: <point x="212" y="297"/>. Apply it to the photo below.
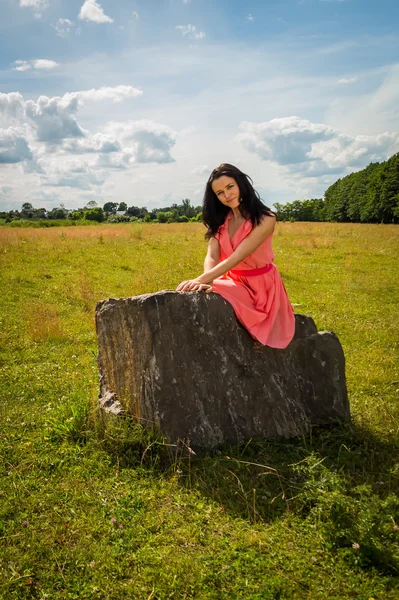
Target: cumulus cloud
<point x="54" y="119"/>
<point x="191" y="32"/>
<point x="45" y="137"/>
<point x="36" y="4"/>
<point x="249" y="18"/>
<point x="111" y="162"/>
<point x="14" y="147"/>
<point x="97" y="143"/>
<point x="38" y="63"/>
<point x="44" y="63"/>
<point x="11" y="107"/>
<point x="286" y="141"/>
<point x="314" y="149"/>
<point x="143" y="141"/>
<point x="92" y="11"/>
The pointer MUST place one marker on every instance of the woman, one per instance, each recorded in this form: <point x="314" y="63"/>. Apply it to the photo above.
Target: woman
<point x="239" y="262"/>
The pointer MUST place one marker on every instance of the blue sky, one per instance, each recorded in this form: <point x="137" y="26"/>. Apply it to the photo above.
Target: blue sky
<point x="137" y="101"/>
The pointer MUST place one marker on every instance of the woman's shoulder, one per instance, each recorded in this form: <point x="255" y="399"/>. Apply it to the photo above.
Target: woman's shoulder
<point x="265" y="220"/>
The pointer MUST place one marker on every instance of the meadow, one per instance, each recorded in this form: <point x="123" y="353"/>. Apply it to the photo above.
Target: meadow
<point x="96" y="510"/>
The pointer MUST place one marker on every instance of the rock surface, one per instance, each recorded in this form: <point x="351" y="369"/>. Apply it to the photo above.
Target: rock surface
<point x="182" y="364"/>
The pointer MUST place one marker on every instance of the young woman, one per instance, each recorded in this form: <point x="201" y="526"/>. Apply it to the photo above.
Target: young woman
<point x="239" y="262"/>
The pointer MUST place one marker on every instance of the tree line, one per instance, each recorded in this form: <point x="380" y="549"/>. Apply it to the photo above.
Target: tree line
<point x="110" y="212"/>
<point x="368" y="196"/>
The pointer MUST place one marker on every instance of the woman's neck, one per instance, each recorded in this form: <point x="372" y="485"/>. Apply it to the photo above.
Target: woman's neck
<point x="236" y="213"/>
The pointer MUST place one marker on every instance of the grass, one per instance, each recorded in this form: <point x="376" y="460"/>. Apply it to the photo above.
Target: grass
<point x="105" y="511"/>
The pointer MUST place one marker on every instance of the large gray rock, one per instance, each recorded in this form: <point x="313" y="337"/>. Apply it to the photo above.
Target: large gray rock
<point x="182" y="364"/>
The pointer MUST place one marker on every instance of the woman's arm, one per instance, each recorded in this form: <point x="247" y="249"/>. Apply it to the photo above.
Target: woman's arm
<point x="248" y="245"/>
<point x="212" y="256"/>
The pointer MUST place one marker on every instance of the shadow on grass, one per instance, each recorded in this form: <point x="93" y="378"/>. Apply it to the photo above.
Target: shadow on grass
<point x="340" y="480"/>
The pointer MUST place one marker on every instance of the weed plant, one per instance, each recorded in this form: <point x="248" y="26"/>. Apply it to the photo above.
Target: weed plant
<point x="99" y="508"/>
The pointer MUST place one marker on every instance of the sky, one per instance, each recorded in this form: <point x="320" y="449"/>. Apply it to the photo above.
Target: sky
<point x="137" y="101"/>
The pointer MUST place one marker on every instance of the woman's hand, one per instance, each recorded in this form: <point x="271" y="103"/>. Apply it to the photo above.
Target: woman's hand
<point x="194" y="285"/>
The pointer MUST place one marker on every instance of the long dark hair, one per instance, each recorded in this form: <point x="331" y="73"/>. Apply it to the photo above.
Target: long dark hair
<point x="251" y="207"/>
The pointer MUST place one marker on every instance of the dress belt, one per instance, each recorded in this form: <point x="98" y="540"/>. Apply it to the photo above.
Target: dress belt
<point x="252" y="272"/>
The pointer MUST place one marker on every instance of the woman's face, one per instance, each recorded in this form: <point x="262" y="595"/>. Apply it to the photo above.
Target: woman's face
<point x="227" y="191"/>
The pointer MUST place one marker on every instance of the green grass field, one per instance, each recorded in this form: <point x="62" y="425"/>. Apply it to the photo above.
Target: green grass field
<point x="94" y="512"/>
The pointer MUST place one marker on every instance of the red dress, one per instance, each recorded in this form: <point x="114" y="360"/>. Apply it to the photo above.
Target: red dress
<point x="260" y="302"/>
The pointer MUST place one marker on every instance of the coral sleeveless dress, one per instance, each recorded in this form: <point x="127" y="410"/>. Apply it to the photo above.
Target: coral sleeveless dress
<point x="260" y="302"/>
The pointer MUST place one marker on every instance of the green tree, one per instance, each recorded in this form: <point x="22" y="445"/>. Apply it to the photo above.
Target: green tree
<point x="110" y="207"/>
<point x="162" y="217"/>
<point x="94" y="214"/>
<point x="57" y="213"/>
<point x="91" y="204"/>
<point x="187" y="209"/>
<point x="389" y="191"/>
<point x="76" y="214"/>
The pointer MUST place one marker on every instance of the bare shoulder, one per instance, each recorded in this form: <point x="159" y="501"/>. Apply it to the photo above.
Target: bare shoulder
<point x="268" y="223"/>
<point x="213" y="247"/>
<point x="213" y="242"/>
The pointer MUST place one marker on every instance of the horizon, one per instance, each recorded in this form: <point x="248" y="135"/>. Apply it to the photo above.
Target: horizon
<point x="137" y="104"/>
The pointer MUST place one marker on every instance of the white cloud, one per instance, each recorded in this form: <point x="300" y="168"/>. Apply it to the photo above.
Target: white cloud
<point x="97" y="143"/>
<point x="21" y="65"/>
<point x="285" y="141"/>
<point x="11" y="107"/>
<point x="46" y="199"/>
<point x="191" y="31"/>
<point x="348" y="80"/>
<point x="309" y="149"/>
<point x="143" y="141"/>
<point x="111" y="162"/>
<point x="92" y="11"/>
<point x="5" y="192"/>
<point x="63" y="27"/>
<point x="14" y="147"/>
<point x="249" y="18"/>
<point x="115" y="94"/>
<point x="37" y="4"/>
<point x="71" y="173"/>
<point x="135" y="15"/>
<point x="52" y="147"/>
<point x="54" y="118"/>
<point x="186" y="1"/>
<point x="201" y="170"/>
<point x="38" y="63"/>
<point x="44" y="63"/>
